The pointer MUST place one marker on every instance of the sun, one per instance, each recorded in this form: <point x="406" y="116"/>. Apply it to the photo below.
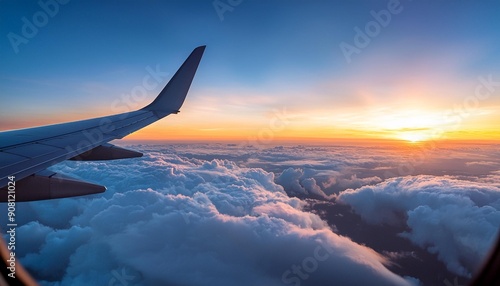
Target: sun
<point x="413" y="125"/>
<point x="414" y="137"/>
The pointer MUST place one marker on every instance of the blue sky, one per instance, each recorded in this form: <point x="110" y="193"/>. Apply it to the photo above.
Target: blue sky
<point x="266" y="61"/>
<point x="287" y="52"/>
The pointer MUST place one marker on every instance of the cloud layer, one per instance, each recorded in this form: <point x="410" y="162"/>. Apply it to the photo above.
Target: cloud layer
<point x="225" y="214"/>
<point x="173" y="220"/>
<point x="456" y="219"/>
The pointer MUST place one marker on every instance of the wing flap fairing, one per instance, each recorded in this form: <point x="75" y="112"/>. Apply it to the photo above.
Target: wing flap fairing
<point x="107" y="152"/>
<point x="47" y="185"/>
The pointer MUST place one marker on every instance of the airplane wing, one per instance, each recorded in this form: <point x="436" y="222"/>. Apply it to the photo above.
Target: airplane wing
<point x="26" y="153"/>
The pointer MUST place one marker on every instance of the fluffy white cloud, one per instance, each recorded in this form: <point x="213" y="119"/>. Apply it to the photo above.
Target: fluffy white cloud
<point x="456" y="219"/>
<point x="355" y="182"/>
<point x="298" y="182"/>
<point x="172" y="220"/>
<point x="198" y="214"/>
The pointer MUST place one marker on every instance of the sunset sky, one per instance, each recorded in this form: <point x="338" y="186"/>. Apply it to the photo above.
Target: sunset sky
<point x="271" y="70"/>
<point x="207" y="203"/>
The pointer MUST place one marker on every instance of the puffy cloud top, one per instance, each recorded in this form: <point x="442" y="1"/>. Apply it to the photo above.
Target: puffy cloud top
<point x="456" y="219"/>
<point x="172" y="220"/>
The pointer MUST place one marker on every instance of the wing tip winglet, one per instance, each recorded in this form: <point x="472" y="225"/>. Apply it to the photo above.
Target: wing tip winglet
<point x="174" y="93"/>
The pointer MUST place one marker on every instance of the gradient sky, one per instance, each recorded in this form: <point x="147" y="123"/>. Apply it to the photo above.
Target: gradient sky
<point x="272" y="69"/>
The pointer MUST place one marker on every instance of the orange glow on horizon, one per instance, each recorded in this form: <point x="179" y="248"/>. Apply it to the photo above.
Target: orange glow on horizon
<point x="198" y="122"/>
<point x="411" y="125"/>
<point x="262" y="135"/>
